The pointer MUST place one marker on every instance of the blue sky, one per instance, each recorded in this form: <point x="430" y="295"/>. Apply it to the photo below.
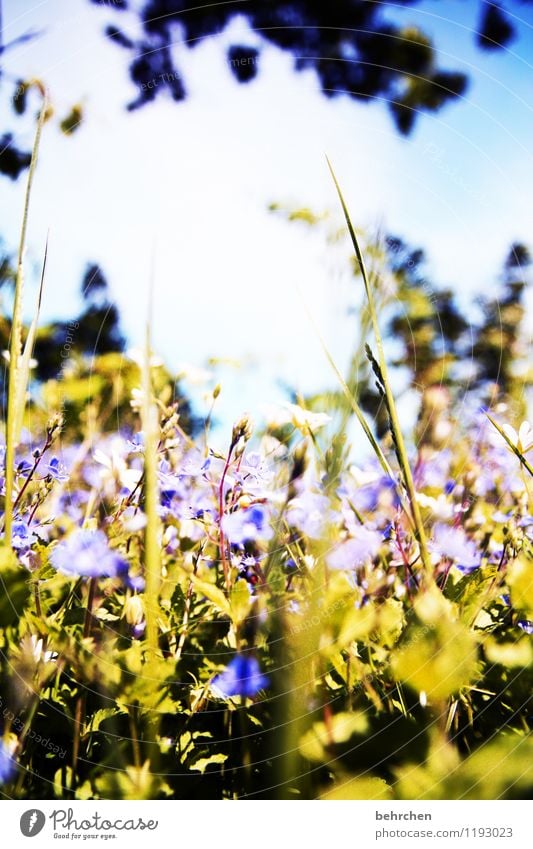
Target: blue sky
<point x="191" y="184"/>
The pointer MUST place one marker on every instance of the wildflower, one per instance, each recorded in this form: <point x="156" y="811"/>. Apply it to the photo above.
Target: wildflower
<point x="364" y="544"/>
<point x="87" y="554"/>
<point x="523" y="440"/>
<point x="138" y="356"/>
<point x="24" y="468"/>
<point x="309" y="512"/>
<point x="114" y="470"/>
<point x="7" y="764"/>
<point x="242" y="429"/>
<point x="526" y="625"/>
<point x="453" y="544"/>
<point x="133" y="610"/>
<point x="305" y="420"/>
<point x="56" y="470"/>
<point x="247" y="525"/>
<point x="242" y="677"/>
<point x="193" y="464"/>
<point x="136" y="443"/>
<point x="34" y="647"/>
<point x="21" y="536"/>
<point x="440" y="507"/>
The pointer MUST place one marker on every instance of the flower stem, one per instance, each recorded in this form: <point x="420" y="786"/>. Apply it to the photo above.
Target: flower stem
<point x="80" y="704"/>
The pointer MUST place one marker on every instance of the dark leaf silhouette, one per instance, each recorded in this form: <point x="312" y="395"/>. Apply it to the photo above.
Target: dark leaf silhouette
<point x="12" y="160"/>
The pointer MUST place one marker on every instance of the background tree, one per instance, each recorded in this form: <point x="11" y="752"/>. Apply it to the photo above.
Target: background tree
<point x="350" y="44"/>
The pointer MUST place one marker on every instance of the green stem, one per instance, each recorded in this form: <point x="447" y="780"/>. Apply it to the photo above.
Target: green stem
<point x="80" y="704"/>
<point x="391" y="404"/>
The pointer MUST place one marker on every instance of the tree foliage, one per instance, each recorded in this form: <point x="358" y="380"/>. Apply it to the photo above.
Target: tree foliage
<point x="353" y="46"/>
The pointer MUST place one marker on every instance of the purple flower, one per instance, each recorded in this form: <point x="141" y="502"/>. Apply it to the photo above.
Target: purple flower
<point x="364" y="544"/>
<point x="526" y="625"/>
<point x="21" y="536"/>
<point x="193" y="465"/>
<point x="247" y="525"/>
<point x="56" y="470"/>
<point x="453" y="544"/>
<point x="309" y="512"/>
<point x="242" y="677"/>
<point x="24" y="468"/>
<point x="7" y="764"/>
<point x="87" y="554"/>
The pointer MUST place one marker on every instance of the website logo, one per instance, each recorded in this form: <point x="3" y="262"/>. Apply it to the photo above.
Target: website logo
<point x="32" y="822"/>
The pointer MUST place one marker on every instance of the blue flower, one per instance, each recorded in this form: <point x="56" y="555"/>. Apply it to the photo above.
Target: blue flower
<point x="526" y="625"/>
<point x="7" y="764"/>
<point x="21" y="536"/>
<point x="24" y="468"/>
<point x="242" y="677"/>
<point x="309" y="512"/>
<point x="453" y="544"/>
<point x="364" y="544"/>
<point x="87" y="554"/>
<point x="247" y="525"/>
<point x="56" y="470"/>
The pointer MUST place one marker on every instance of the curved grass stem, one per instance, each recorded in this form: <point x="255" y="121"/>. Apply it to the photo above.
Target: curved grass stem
<point x="389" y="396"/>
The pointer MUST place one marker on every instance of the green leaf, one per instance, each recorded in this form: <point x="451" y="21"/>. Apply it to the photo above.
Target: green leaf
<point x="203" y="763"/>
<point x="315" y="742"/>
<point x="509" y="654"/>
<point x="14" y="588"/>
<point x="240" y="601"/>
<point x="520" y="580"/>
<point x="438" y="660"/>
<point x="364" y="787"/>
<point x="213" y="594"/>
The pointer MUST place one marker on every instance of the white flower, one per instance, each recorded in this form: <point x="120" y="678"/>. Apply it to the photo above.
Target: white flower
<point x="523" y="440"/>
<point x="138" y="357"/>
<point x="137" y="399"/>
<point x="35" y="647"/>
<point x="114" y="467"/>
<point x="440" y="507"/>
<point x="304" y="420"/>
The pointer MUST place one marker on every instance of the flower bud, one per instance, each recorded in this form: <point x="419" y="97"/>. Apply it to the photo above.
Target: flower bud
<point x="242" y="429"/>
<point x="134" y="610"/>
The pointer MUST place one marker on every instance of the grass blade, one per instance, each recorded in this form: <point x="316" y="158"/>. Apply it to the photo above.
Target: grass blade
<point x="16" y="397"/>
<point x="391" y="404"/>
<point x="23" y="372"/>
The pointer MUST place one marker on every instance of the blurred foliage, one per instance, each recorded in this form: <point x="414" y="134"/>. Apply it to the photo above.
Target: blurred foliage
<point x="352" y="46"/>
<point x="442" y="349"/>
<point x="275" y="669"/>
<point x="81" y="365"/>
